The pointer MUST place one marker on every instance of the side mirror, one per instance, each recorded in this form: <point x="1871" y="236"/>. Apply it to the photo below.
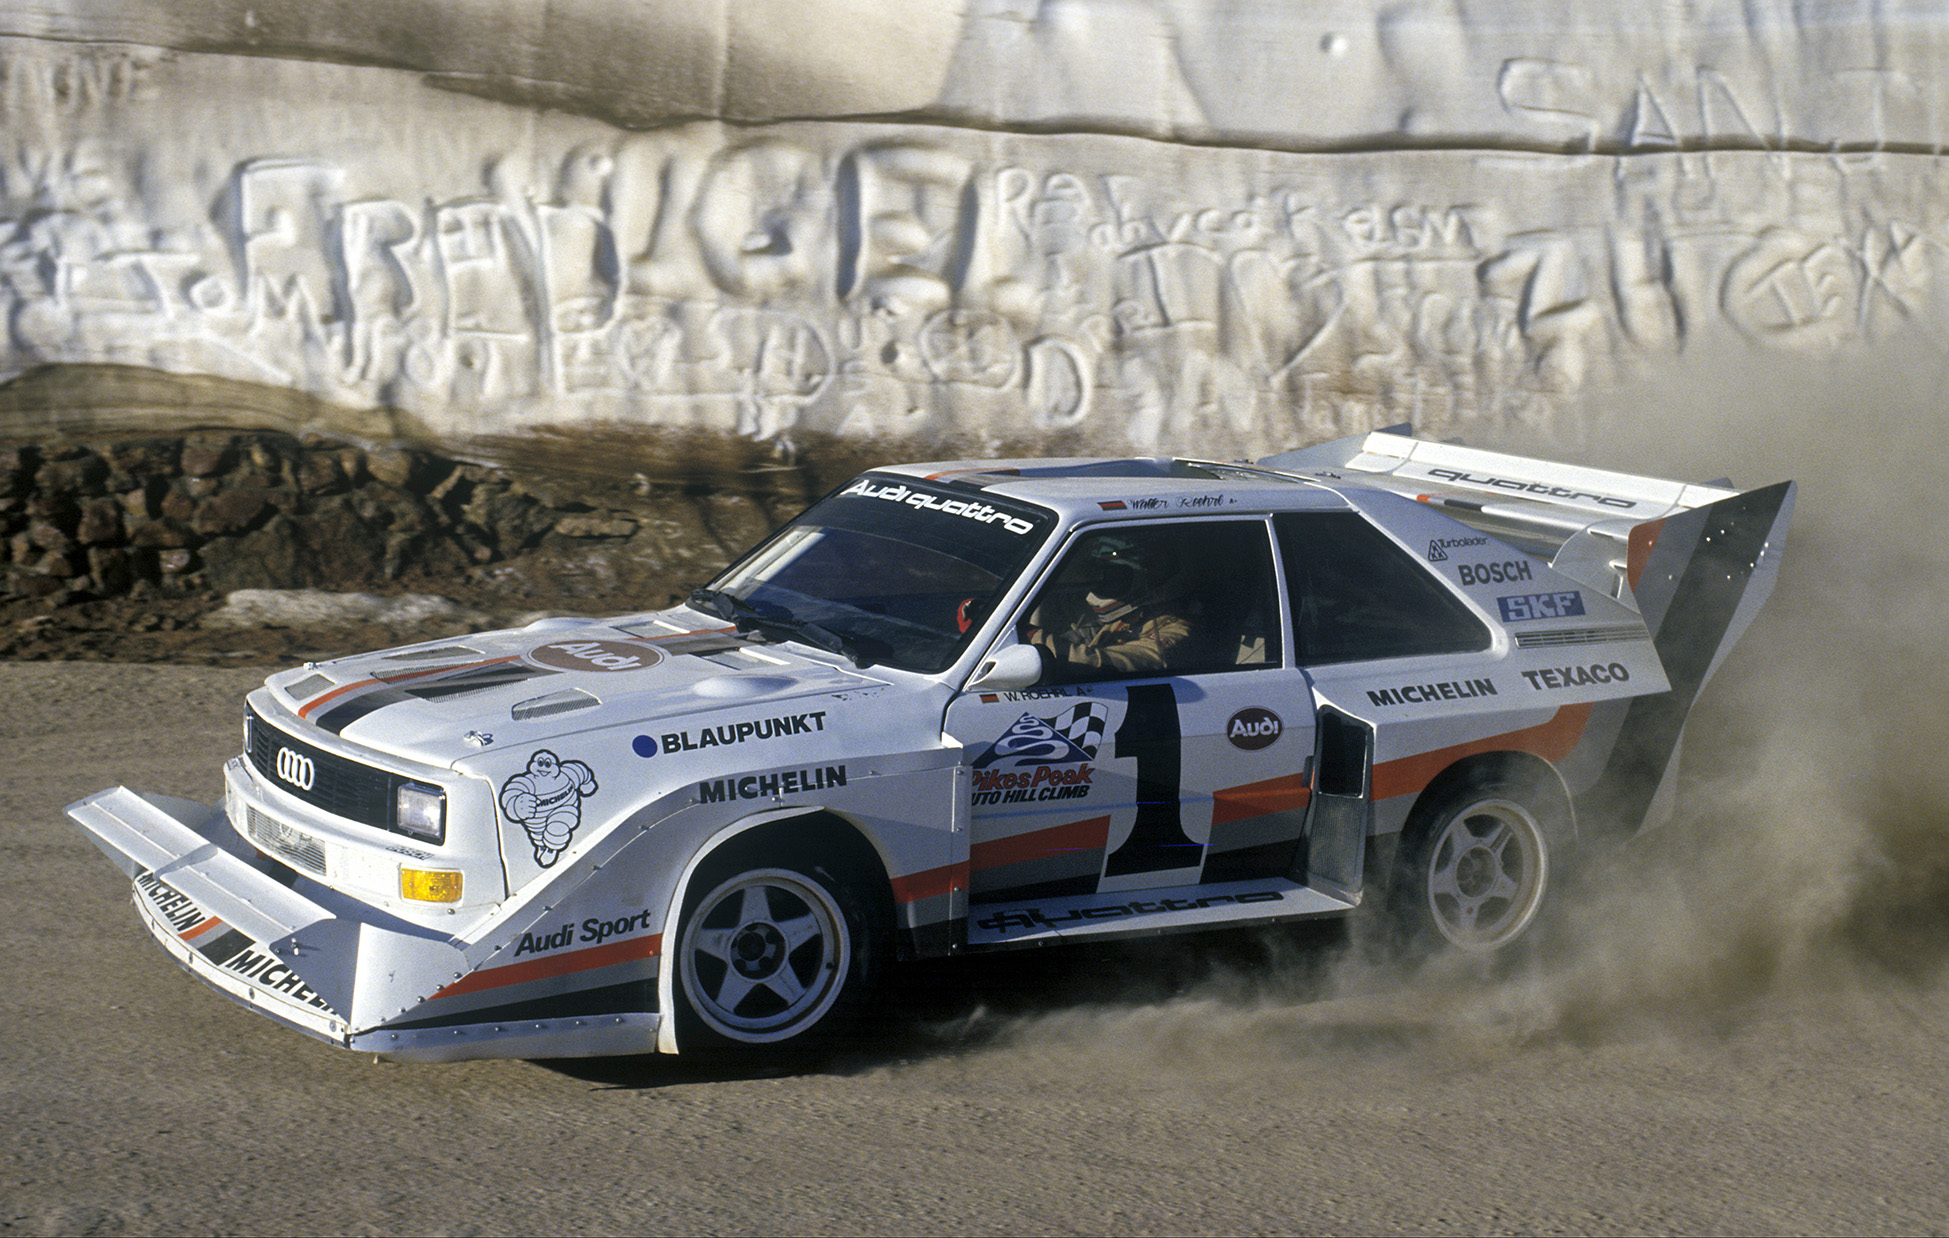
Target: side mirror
<point x="1006" y="670"/>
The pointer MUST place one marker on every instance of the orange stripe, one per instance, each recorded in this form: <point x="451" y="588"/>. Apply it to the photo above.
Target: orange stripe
<point x="1638" y="551"/>
<point x="1041" y="844"/>
<point x="197" y="930"/>
<point x="930" y="883"/>
<point x="1551" y="740"/>
<point x="342" y="689"/>
<point x="1259" y="799"/>
<point x="561" y="965"/>
<point x="376" y="680"/>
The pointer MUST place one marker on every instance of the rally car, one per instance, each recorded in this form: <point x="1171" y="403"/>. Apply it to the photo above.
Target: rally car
<point x="964" y="707"/>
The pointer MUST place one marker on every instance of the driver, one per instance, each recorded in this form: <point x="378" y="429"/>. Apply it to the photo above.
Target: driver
<point x="1124" y="610"/>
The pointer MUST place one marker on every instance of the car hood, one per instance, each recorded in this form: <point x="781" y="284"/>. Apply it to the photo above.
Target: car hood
<point x="442" y="702"/>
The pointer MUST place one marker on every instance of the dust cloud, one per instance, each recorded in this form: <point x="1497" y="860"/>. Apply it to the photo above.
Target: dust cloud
<point x="1806" y="870"/>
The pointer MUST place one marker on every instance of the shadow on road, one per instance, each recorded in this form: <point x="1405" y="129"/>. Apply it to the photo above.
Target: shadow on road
<point x="945" y="1005"/>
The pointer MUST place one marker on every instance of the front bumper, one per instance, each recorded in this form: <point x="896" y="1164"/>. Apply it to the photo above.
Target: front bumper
<point x="347" y="973"/>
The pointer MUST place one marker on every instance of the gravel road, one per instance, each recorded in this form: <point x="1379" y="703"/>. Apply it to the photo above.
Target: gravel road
<point x="1738" y="1025"/>
<point x="1691" y="1058"/>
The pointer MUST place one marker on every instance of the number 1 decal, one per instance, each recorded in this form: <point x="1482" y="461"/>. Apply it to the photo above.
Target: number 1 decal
<point x="1152" y="734"/>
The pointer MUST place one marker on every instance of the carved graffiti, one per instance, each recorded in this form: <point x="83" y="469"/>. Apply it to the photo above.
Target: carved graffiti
<point x="871" y="280"/>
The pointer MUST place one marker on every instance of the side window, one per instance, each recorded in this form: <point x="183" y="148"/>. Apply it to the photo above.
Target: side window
<point x="1356" y="595"/>
<point x="1179" y="598"/>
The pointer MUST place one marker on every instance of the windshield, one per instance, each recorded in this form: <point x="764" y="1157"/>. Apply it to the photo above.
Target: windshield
<point x="887" y="570"/>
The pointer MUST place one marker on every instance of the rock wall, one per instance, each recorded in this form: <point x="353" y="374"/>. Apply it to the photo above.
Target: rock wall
<point x="220" y="510"/>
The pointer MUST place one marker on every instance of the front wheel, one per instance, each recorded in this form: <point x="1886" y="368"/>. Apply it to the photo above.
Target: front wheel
<point x="770" y="958"/>
<point x="1477" y="867"/>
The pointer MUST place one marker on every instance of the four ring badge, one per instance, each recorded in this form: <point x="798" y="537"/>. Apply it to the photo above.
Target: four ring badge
<point x="296" y="768"/>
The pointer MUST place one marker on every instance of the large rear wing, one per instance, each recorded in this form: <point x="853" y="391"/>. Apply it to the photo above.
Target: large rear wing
<point x="1594" y="525"/>
<point x="1697" y="562"/>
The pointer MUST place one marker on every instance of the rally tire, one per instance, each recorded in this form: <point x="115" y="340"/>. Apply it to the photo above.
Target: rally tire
<point x="771" y="959"/>
<point x="1477" y="866"/>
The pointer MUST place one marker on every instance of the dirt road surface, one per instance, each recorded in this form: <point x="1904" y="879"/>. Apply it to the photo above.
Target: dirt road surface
<point x="1740" y="1024"/>
<point x="1693" y="1060"/>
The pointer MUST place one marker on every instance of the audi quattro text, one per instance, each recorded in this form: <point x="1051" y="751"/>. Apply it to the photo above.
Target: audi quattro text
<point x="960" y="707"/>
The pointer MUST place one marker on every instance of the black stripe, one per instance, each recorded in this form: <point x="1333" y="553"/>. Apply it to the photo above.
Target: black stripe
<point x="629" y="997"/>
<point x="476" y="681"/>
<point x="1056" y="888"/>
<point x="1274" y="859"/>
<point x="224" y="946"/>
<point x="1725" y="541"/>
<point x="345" y="713"/>
<point x="472" y="679"/>
<point x="709" y="642"/>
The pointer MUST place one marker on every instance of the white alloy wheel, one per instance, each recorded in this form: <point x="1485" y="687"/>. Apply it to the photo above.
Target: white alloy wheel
<point x="765" y="956"/>
<point x="1486" y="872"/>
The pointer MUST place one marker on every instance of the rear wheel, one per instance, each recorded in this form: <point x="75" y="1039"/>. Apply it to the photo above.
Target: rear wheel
<point x="1477" y="866"/>
<point x="770" y="958"/>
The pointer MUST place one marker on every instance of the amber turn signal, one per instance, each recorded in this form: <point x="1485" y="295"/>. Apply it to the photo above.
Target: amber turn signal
<point x="429" y="885"/>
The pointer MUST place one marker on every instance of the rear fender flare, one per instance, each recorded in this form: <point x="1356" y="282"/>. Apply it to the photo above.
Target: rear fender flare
<point x="1523" y="766"/>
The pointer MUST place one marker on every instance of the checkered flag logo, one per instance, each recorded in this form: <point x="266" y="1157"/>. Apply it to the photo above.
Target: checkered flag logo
<point x="1083" y="725"/>
<point x="1072" y="735"/>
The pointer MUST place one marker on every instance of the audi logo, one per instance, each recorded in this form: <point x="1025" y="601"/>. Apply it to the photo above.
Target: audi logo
<point x="296" y="768"/>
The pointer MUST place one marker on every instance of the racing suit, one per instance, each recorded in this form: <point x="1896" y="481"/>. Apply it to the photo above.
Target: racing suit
<point x="1122" y="638"/>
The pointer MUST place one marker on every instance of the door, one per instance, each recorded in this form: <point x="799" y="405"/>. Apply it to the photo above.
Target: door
<point x="1167" y="745"/>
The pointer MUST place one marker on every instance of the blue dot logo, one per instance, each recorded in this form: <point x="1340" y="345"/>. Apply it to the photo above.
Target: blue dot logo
<point x="645" y="745"/>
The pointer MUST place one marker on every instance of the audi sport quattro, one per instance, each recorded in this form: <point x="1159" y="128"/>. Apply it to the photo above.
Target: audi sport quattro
<point x="963" y="707"/>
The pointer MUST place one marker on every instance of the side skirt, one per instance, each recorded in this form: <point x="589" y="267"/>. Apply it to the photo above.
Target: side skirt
<point x="579" y="1036"/>
<point x="1140" y="913"/>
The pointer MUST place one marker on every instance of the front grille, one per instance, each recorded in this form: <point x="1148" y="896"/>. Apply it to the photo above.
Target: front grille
<point x="297" y="847"/>
<point x="340" y="787"/>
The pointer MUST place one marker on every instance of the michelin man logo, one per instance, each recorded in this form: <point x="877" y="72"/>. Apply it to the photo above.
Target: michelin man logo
<point x="546" y="798"/>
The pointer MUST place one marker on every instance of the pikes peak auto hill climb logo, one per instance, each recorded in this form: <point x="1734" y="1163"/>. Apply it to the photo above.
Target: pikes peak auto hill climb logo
<point x="1072" y="735"/>
<point x="1043" y="758"/>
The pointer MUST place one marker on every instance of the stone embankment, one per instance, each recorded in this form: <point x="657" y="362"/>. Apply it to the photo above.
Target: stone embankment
<point x="213" y="511"/>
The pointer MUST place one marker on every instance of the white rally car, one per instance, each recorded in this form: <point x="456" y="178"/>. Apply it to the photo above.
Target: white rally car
<point x="962" y="707"/>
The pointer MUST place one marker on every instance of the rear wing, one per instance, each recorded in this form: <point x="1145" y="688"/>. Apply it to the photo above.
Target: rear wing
<point x="1697" y="562"/>
<point x="1593" y="525"/>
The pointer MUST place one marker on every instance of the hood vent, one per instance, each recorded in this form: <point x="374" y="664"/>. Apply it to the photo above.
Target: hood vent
<point x="567" y="701"/>
<point x="308" y="687"/>
<point x="435" y="655"/>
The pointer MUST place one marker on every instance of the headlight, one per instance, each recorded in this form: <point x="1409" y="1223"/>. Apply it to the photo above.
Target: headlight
<point x="420" y="811"/>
